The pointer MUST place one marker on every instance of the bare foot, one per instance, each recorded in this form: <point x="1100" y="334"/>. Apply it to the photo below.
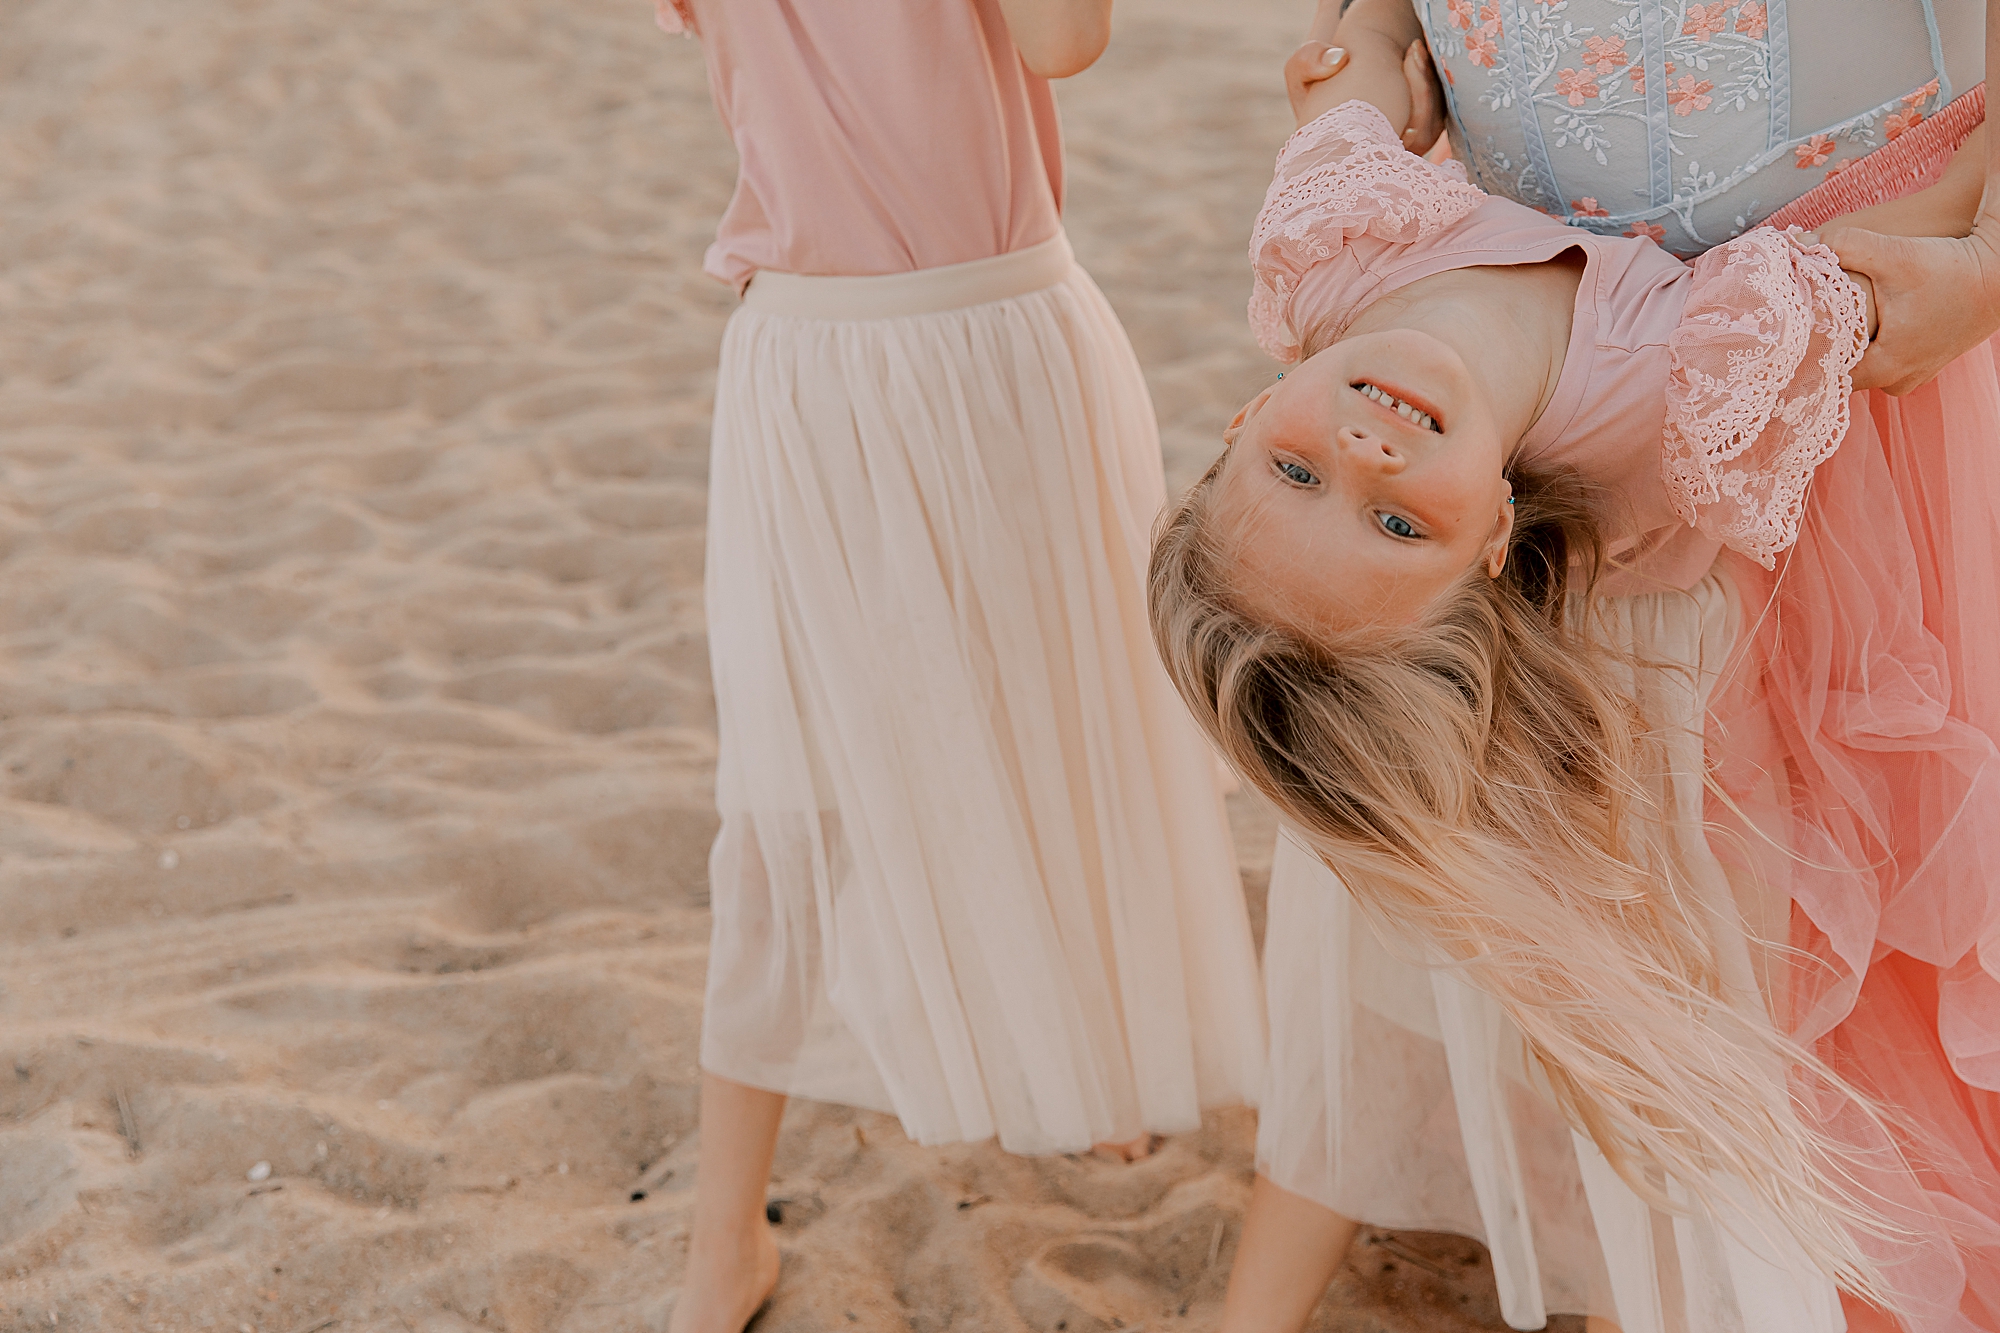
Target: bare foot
<point x="1133" y="1150"/>
<point x="726" y="1283"/>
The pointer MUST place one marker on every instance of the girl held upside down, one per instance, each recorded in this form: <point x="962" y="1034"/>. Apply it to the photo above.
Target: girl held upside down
<point x="1640" y="684"/>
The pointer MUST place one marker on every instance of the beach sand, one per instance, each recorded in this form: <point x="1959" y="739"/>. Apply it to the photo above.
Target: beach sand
<point x="355" y="731"/>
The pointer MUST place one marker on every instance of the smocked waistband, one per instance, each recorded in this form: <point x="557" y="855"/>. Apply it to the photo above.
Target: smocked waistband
<point x="925" y="291"/>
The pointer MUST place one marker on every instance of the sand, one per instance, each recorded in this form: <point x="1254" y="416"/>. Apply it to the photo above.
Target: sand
<point x="355" y="733"/>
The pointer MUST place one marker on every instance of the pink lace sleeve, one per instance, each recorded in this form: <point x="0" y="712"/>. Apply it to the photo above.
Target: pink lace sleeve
<point x="675" y="17"/>
<point x="1761" y="367"/>
<point x="1342" y="175"/>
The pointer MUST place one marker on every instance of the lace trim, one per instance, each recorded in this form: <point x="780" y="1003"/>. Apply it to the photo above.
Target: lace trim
<point x="1760" y="373"/>
<point x="1342" y="175"/>
<point x="675" y="17"/>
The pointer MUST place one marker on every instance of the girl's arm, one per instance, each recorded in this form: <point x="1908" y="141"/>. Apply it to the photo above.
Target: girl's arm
<point x="1375" y="53"/>
<point x="1940" y="296"/>
<point x="1058" y="38"/>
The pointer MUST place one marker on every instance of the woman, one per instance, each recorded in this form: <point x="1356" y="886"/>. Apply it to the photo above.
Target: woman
<point x="1825" y="910"/>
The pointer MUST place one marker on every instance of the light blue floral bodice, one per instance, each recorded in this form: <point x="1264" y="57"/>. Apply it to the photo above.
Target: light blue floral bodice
<point x="1688" y="121"/>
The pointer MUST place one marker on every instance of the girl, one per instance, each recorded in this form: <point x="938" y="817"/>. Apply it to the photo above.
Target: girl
<point x="973" y="865"/>
<point x="1641" y="688"/>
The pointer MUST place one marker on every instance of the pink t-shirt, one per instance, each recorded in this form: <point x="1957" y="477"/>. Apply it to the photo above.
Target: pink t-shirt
<point x="875" y="137"/>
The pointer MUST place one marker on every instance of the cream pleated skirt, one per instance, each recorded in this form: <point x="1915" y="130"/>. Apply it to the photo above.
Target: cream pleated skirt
<point x="973" y="865"/>
<point x="1403" y="1097"/>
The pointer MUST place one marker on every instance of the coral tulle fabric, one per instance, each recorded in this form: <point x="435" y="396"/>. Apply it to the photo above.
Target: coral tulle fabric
<point x="1853" y="736"/>
<point x="1857" y="735"/>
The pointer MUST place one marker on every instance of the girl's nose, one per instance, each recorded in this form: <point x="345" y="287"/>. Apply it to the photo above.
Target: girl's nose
<point x="1369" y="450"/>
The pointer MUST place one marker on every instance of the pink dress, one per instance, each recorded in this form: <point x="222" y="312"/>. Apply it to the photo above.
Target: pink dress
<point x="843" y="173"/>
<point x="973" y="864"/>
<point x="1842" y="553"/>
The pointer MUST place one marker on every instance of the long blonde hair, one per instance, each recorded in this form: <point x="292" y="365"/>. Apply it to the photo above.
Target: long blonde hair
<point x="1472" y="781"/>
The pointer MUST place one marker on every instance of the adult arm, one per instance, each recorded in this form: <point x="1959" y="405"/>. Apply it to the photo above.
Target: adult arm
<point x="1947" y="210"/>
<point x="1058" y="38"/>
<point x="1938" y="296"/>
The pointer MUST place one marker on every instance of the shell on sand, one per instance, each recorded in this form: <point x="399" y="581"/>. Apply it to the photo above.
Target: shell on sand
<point x="355" y="733"/>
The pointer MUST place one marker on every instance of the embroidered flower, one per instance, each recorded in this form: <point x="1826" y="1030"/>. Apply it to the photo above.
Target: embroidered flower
<point x="1604" y="55"/>
<point x="1460" y="16"/>
<point x="1704" y="21"/>
<point x="1923" y="94"/>
<point x="1899" y="121"/>
<point x="1839" y="167"/>
<point x="1753" y="19"/>
<point x="1587" y="207"/>
<point x="1480" y="48"/>
<point x="1489" y="19"/>
<point x="1576" y="86"/>
<point x="1814" y="151"/>
<point x="1639" y="77"/>
<point x="1689" y="95"/>
<point x="1652" y="231"/>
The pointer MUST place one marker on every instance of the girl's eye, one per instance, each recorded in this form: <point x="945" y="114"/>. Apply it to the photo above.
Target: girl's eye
<point x="1295" y="474"/>
<point x="1398" y="525"/>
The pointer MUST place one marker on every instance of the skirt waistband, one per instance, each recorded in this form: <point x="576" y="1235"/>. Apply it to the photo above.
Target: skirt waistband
<point x="1904" y="165"/>
<point x="926" y="291"/>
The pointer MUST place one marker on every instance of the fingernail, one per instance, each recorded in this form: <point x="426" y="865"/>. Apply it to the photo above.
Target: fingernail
<point x="1334" y="55"/>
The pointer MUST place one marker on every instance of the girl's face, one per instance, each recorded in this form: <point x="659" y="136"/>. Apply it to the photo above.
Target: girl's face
<point x="1362" y="485"/>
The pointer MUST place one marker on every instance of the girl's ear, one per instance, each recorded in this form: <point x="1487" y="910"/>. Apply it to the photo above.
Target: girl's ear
<point x="1503" y="531"/>
<point x="1243" y="415"/>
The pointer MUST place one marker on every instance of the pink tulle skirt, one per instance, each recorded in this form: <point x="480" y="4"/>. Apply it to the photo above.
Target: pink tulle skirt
<point x="1854" y="750"/>
<point x="1855" y="742"/>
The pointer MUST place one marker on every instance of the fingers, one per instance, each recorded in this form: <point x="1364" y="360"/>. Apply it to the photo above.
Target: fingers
<point x="1849" y="243"/>
<point x="1314" y="62"/>
<point x="1882" y="265"/>
<point x="1426" y="98"/>
<point x="1321" y="60"/>
<point x="1873" y="371"/>
<point x="1935" y="298"/>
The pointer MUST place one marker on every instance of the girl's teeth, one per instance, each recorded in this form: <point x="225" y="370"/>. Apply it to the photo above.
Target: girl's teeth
<point x="1398" y="406"/>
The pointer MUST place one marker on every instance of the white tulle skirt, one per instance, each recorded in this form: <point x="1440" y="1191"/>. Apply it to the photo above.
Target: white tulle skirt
<point x="973" y="865"/>
<point x="1403" y="1097"/>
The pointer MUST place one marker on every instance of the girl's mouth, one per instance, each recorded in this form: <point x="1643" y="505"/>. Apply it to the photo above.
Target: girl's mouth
<point x="1401" y="407"/>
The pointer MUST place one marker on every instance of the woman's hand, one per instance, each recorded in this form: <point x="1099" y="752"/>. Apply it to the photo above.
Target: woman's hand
<point x="1937" y="297"/>
<point x="1934" y="258"/>
<point x="1315" y="62"/>
<point x="1426" y="99"/>
<point x="1311" y="65"/>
